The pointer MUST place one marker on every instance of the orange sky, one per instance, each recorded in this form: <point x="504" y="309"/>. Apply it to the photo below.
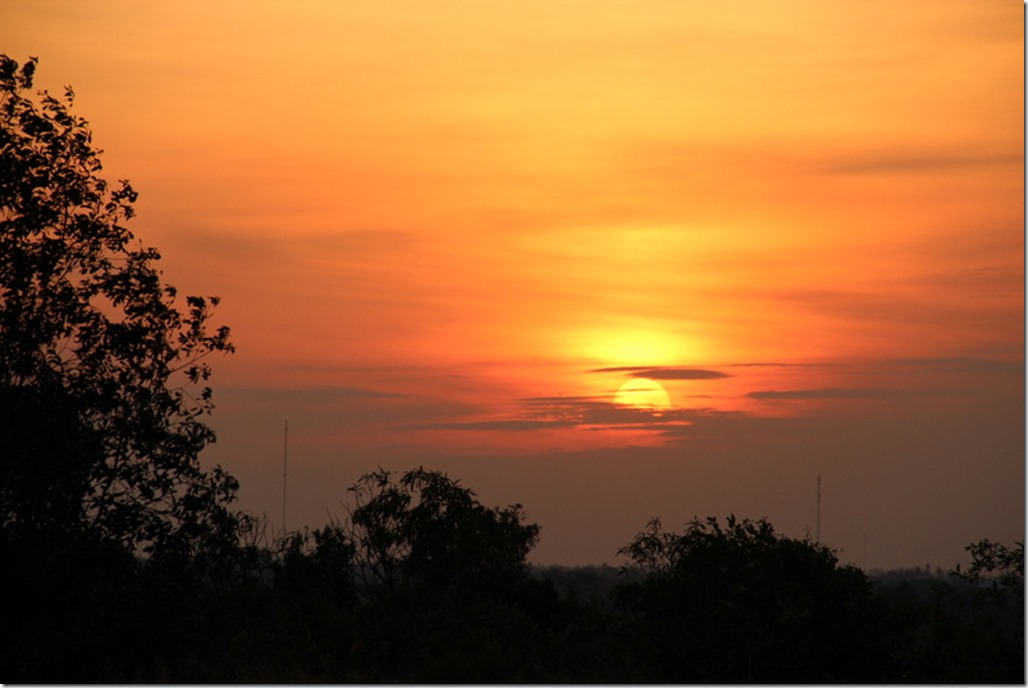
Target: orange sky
<point x="432" y="223"/>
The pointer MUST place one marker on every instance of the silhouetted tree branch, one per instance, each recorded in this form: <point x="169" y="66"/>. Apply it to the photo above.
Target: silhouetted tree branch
<point x="102" y="374"/>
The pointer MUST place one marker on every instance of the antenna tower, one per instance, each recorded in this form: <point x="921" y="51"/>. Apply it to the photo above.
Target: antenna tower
<point x="818" y="536"/>
<point x="285" y="464"/>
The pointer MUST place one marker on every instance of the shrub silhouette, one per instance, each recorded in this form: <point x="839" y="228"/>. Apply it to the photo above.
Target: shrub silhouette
<point x="741" y="604"/>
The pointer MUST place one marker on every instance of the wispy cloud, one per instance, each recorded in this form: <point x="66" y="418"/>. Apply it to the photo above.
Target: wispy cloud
<point x="960" y="364"/>
<point x="918" y="161"/>
<point x="586" y="413"/>
<point x="493" y="425"/>
<point x="335" y="408"/>
<point x="827" y="393"/>
<point x="318" y="394"/>
<point x="772" y="365"/>
<point x="662" y="373"/>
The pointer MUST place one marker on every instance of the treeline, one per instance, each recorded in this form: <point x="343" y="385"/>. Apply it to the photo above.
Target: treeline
<point x="422" y="583"/>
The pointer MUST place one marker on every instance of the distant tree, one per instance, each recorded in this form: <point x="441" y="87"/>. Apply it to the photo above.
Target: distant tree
<point x="427" y="529"/>
<point x="317" y="565"/>
<point x="739" y="603"/>
<point x="102" y="376"/>
<point x="997" y="564"/>
<point x="445" y="590"/>
<point x="984" y="641"/>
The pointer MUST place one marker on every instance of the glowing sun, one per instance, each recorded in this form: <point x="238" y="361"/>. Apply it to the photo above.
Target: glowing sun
<point x="641" y="392"/>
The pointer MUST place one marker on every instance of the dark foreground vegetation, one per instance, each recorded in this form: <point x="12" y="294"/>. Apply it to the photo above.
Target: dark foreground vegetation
<point x="123" y="560"/>
<point x="422" y="583"/>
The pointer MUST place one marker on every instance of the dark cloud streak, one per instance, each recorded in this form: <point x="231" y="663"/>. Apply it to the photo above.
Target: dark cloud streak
<point x="960" y="364"/>
<point x="493" y="425"/>
<point x="587" y="413"/>
<point x="918" y="161"/>
<point x="661" y="373"/>
<point x="827" y="393"/>
<point x="317" y="394"/>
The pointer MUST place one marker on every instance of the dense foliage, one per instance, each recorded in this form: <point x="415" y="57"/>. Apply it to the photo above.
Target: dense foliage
<point x="425" y="530"/>
<point x="102" y="393"/>
<point x="741" y="603"/>
<point x="102" y="377"/>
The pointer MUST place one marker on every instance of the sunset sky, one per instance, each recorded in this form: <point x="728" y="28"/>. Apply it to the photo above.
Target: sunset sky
<point x="447" y="233"/>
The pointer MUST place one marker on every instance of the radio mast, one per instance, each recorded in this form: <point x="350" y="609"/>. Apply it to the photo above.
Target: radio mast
<point x="818" y="536"/>
<point x="285" y="464"/>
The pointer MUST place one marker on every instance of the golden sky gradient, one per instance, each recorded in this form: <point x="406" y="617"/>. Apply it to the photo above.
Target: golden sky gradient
<point x="449" y="232"/>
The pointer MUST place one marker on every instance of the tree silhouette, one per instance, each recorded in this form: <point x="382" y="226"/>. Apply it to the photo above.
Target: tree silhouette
<point x="740" y="603"/>
<point x="444" y="585"/>
<point x="997" y="564"/>
<point x="426" y="529"/>
<point x="102" y="376"/>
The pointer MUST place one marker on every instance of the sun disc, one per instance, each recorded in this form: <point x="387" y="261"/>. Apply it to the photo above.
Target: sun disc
<point x="641" y="392"/>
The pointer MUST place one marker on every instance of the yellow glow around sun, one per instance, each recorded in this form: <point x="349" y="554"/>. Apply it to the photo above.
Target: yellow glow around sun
<point x="641" y="392"/>
<point x="631" y="346"/>
<point x="647" y="350"/>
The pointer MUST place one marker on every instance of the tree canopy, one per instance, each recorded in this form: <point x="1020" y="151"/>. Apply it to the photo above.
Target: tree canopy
<point x="102" y="371"/>
<point x="425" y="528"/>
<point x="734" y="602"/>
